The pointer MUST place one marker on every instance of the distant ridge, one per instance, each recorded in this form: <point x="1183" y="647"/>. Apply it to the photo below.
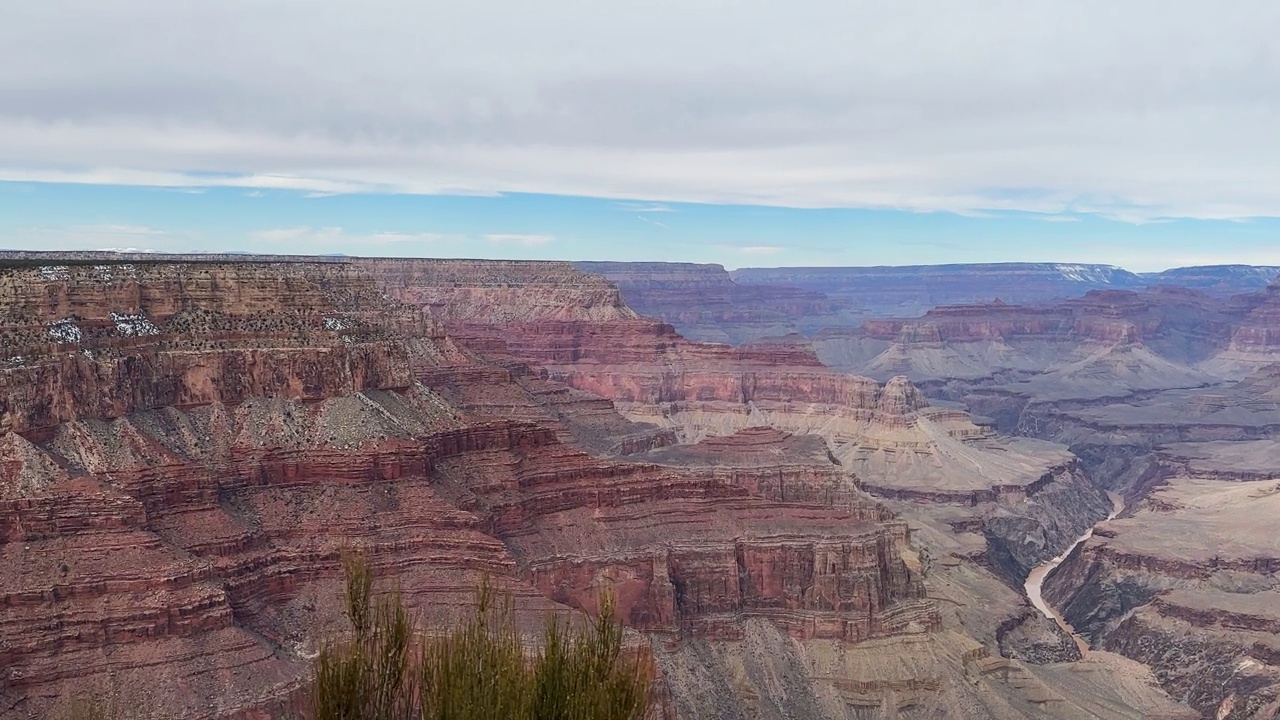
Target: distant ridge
<point x="1219" y="280"/>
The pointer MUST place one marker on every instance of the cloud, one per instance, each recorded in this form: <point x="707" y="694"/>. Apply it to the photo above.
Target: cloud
<point x="758" y="249"/>
<point x="323" y="240"/>
<point x="1137" y="110"/>
<point x="639" y="207"/>
<point x="519" y="239"/>
<point x="106" y="237"/>
<point x="336" y="239"/>
<point x="642" y="218"/>
<point x="116" y="230"/>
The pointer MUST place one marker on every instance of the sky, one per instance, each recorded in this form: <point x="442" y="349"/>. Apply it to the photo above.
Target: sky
<point x="1140" y="133"/>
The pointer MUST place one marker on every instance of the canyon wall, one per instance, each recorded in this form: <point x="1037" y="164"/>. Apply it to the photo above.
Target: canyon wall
<point x="187" y="450"/>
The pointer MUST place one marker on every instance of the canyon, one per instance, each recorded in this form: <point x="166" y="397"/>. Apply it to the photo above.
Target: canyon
<point x="804" y="508"/>
<point x="1167" y="396"/>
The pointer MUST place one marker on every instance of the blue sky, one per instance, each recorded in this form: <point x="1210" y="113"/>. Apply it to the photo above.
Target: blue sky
<point x="1140" y="133"/>
<point x="85" y="216"/>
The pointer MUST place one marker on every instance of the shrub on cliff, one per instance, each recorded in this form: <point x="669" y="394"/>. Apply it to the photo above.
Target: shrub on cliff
<point x="480" y="670"/>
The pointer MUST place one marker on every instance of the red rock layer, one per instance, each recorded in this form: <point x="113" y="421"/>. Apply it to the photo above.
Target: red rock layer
<point x="184" y="457"/>
<point x="693" y="554"/>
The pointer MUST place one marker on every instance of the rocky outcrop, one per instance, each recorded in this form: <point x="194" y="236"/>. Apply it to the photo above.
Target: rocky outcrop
<point x="185" y="535"/>
<point x="1255" y="340"/>
<point x="1104" y="344"/>
<point x="884" y="440"/>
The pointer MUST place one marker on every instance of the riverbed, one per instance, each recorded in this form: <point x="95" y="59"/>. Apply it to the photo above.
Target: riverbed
<point x="1035" y="580"/>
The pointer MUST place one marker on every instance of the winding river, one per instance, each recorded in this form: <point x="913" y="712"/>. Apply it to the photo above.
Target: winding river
<point x="1036" y="579"/>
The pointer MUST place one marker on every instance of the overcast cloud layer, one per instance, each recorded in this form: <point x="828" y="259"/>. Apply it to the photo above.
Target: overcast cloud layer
<point x="1132" y="109"/>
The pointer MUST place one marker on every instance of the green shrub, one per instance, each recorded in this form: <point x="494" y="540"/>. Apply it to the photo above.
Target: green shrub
<point x="479" y="670"/>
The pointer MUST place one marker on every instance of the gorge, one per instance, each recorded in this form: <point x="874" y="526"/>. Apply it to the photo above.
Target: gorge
<point x="1034" y="584"/>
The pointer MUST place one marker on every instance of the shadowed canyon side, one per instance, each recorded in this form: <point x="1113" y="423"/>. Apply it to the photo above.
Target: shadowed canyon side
<point x="776" y="423"/>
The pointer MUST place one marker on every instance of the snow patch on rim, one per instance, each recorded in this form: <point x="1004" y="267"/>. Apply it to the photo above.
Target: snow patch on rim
<point x="65" y="331"/>
<point x="134" y="324"/>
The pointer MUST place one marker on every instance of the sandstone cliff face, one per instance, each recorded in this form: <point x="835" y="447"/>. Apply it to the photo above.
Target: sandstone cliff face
<point x="166" y="507"/>
<point x="1255" y="339"/>
<point x="1114" y="374"/>
<point x="886" y="435"/>
<point x="1105" y="343"/>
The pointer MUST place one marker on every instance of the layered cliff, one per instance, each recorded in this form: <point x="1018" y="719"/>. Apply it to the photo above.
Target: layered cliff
<point x="492" y="291"/>
<point x="179" y="475"/>
<point x="1106" y="343"/>
<point x="1255" y="338"/>
<point x="107" y="340"/>
<point x="1184" y="581"/>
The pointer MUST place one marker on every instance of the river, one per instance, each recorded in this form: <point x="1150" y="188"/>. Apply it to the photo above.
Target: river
<point x="1036" y="579"/>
